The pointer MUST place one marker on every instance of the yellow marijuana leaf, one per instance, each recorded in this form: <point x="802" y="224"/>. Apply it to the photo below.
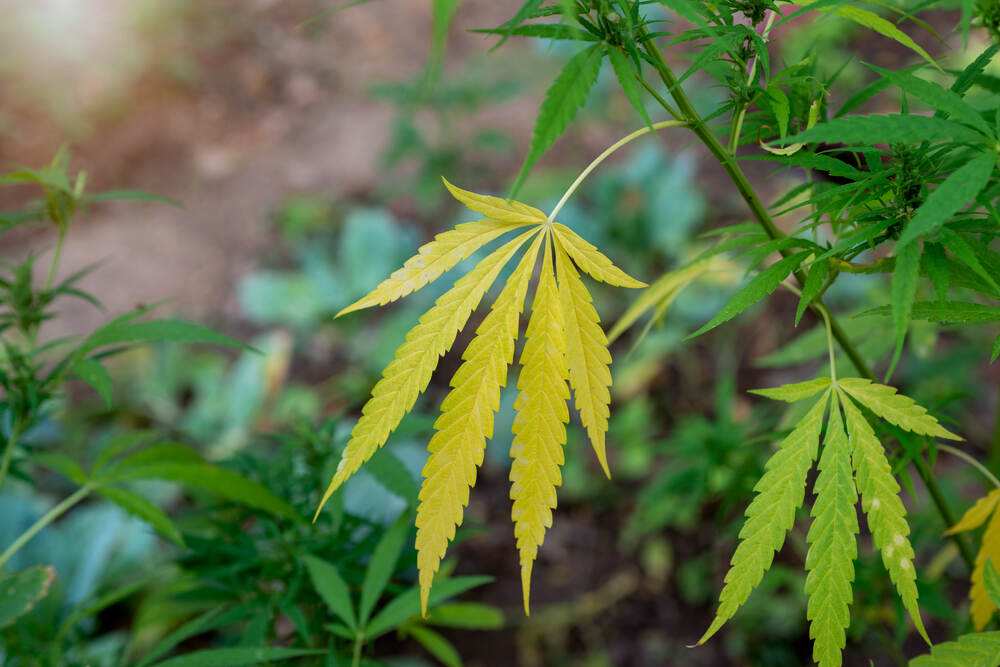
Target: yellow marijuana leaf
<point x="409" y="373"/>
<point x="565" y="343"/>
<point x="433" y="259"/>
<point x="496" y="208"/>
<point x="466" y="421"/>
<point x="540" y="423"/>
<point x="591" y="261"/>
<point x="985" y="508"/>
<point x="586" y="354"/>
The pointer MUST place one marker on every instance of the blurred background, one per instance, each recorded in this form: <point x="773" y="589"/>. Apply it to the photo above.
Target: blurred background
<point x="305" y="149"/>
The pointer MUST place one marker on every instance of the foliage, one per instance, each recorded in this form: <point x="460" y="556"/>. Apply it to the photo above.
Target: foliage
<point x="561" y="313"/>
<point x="918" y="183"/>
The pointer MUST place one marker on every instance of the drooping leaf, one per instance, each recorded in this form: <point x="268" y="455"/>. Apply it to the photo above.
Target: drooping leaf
<point x="563" y="100"/>
<point x="897" y="409"/>
<point x="873" y="21"/>
<point x="590" y="260"/>
<point x="771" y="514"/>
<point x="795" y="391"/>
<point x="433" y="259"/>
<point x="832" y="546"/>
<point x="407" y="376"/>
<point x="976" y="650"/>
<point x="466" y="422"/>
<point x="587" y="355"/>
<point x="662" y="293"/>
<point x="883" y="507"/>
<point x="540" y="424"/>
<point x="759" y="287"/>
<point x="948" y="198"/>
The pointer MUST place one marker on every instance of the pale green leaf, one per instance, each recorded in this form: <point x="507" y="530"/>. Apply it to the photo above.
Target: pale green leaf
<point x="771" y="514"/>
<point x="897" y="409"/>
<point x="975" y="650"/>
<point x="833" y="547"/>
<point x="795" y="391"/>
<point x="882" y="505"/>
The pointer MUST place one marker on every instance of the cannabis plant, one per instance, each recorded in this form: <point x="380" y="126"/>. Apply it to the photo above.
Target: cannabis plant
<point x="907" y="193"/>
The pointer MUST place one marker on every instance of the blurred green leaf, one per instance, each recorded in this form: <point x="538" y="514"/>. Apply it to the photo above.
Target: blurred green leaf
<point x="332" y="589"/>
<point x="20" y="591"/>
<point x="382" y="565"/>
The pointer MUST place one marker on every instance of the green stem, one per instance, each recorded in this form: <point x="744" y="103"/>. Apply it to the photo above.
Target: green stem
<point x="603" y="156"/>
<point x="944" y="510"/>
<point x="759" y="212"/>
<point x="359" y="642"/>
<point x="739" y="179"/>
<point x="8" y="450"/>
<point x="56" y="256"/>
<point x="46" y="519"/>
<point x="954" y="451"/>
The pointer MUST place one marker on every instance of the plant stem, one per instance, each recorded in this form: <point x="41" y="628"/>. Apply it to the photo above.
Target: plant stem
<point x="359" y="642"/>
<point x="944" y="510"/>
<point x="8" y="450"/>
<point x="739" y="179"/>
<point x="56" y="256"/>
<point x="46" y="519"/>
<point x="972" y="462"/>
<point x="728" y="162"/>
<point x="603" y="156"/>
